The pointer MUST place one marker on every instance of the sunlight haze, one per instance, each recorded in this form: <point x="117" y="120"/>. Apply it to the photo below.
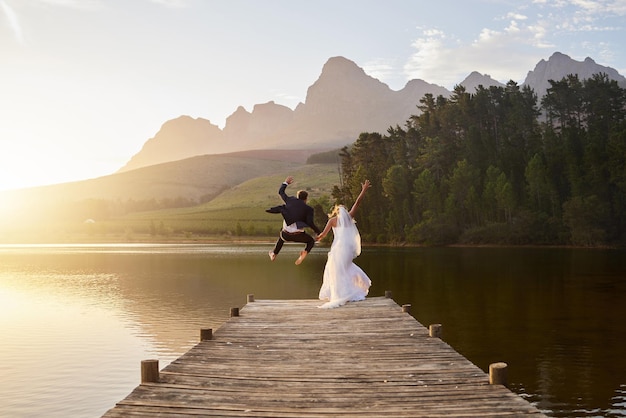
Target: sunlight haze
<point x="85" y="83"/>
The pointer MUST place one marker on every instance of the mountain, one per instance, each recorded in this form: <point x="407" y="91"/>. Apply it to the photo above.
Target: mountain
<point x="194" y="159"/>
<point x="560" y="65"/>
<point x="178" y="139"/>
<point x="345" y="101"/>
<point x="476" y="79"/>
<point x="342" y="103"/>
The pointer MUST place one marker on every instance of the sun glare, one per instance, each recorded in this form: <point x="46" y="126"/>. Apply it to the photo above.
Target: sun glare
<point x="27" y="170"/>
<point x="7" y="218"/>
<point x="10" y="302"/>
<point x="5" y="205"/>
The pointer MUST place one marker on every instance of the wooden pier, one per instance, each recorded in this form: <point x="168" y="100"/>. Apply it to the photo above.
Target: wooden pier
<point x="288" y="358"/>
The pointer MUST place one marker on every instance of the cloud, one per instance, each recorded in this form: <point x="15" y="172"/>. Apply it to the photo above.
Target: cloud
<point x="175" y="4"/>
<point x="602" y="51"/>
<point x="382" y="69"/>
<point x="515" y="41"/>
<point x="75" y="4"/>
<point x="502" y="53"/>
<point x="516" y="16"/>
<point x="433" y="59"/>
<point x="13" y="20"/>
<point x="600" y="8"/>
<point x="571" y="14"/>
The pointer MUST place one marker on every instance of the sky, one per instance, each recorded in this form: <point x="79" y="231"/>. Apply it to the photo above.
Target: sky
<point x="85" y="83"/>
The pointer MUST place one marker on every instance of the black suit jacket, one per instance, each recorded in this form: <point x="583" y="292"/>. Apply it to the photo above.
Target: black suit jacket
<point x="295" y="211"/>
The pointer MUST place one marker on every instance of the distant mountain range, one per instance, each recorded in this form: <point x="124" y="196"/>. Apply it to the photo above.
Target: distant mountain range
<point x="194" y="159"/>
<point x="341" y="104"/>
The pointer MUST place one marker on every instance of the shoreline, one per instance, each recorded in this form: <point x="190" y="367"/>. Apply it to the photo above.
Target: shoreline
<point x="77" y="240"/>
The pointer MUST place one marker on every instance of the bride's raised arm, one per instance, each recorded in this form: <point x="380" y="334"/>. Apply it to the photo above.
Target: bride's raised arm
<point x="364" y="186"/>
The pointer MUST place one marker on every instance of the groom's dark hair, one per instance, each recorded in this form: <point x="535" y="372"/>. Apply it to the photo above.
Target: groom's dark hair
<point x="302" y="194"/>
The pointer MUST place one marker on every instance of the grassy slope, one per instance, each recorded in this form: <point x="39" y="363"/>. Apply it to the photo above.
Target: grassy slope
<point x="190" y="178"/>
<point x="240" y="186"/>
<point x="243" y="204"/>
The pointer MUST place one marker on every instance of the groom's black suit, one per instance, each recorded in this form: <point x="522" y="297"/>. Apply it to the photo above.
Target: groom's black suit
<point x="295" y="211"/>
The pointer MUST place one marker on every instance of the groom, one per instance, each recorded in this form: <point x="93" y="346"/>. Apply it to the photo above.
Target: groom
<point x="297" y="215"/>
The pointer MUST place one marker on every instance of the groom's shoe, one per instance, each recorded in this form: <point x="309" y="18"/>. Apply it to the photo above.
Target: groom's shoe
<point x="272" y="256"/>
<point x="302" y="255"/>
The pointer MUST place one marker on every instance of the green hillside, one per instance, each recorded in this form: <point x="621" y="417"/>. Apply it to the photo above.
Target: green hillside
<point x="317" y="179"/>
<point x="191" y="178"/>
<point x="239" y="210"/>
<point x="223" y="196"/>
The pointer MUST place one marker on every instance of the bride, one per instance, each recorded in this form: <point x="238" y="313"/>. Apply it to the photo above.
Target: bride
<point x="344" y="281"/>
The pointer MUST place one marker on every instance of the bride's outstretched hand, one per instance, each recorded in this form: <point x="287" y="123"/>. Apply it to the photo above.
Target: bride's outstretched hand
<point x="364" y="186"/>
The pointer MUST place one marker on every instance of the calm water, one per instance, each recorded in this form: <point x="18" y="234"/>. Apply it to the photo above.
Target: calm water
<point x="76" y="321"/>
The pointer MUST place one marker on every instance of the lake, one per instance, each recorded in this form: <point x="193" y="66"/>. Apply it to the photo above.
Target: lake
<point x="77" y="320"/>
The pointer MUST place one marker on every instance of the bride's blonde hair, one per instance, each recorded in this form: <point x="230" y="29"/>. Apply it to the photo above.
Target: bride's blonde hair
<point x="334" y="211"/>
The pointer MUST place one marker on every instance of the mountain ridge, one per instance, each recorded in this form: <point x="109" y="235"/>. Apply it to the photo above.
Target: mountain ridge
<point x="199" y="179"/>
<point x="343" y="102"/>
<point x="560" y="65"/>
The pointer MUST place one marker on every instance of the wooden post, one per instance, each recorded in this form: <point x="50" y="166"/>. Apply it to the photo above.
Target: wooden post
<point x="498" y="374"/>
<point x="406" y="308"/>
<point x="206" y="334"/>
<point x="149" y="371"/>
<point x="435" y="330"/>
<point x="388" y="294"/>
<point x="250" y="298"/>
<point x="234" y="312"/>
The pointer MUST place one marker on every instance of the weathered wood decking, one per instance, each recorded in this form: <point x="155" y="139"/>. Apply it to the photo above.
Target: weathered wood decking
<point x="287" y="358"/>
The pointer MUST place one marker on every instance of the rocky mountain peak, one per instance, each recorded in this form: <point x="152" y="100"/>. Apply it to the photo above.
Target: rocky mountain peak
<point x="475" y="79"/>
<point x="177" y="139"/>
<point x="560" y="65"/>
<point x="344" y="80"/>
<point x="341" y="68"/>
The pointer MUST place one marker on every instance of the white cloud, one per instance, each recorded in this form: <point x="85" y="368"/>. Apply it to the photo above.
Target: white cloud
<point x="381" y="69"/>
<point x="172" y="3"/>
<point x="76" y="4"/>
<point x="434" y="60"/>
<point x="516" y="16"/>
<point x="505" y="49"/>
<point x="572" y="13"/>
<point x="600" y="7"/>
<point x="13" y="21"/>
<point x="505" y="54"/>
<point x="601" y="51"/>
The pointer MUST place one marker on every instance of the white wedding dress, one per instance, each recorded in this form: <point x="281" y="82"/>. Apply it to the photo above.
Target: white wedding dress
<point x="344" y="281"/>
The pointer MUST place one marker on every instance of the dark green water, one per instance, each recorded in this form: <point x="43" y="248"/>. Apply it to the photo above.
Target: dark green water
<point x="556" y="316"/>
<point x="77" y="320"/>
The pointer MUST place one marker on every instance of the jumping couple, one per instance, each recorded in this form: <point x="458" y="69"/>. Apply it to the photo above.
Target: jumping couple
<point x="343" y="280"/>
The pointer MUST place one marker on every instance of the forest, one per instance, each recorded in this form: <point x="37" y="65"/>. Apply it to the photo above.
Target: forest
<point x="497" y="166"/>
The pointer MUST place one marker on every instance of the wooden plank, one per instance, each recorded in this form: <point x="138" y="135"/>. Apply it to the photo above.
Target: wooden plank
<point x="287" y="358"/>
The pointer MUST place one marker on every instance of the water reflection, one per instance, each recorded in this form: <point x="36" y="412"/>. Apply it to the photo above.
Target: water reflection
<point x="554" y="315"/>
<point x="78" y="319"/>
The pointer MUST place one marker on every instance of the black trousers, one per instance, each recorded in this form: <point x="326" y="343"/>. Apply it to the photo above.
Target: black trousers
<point x="302" y="237"/>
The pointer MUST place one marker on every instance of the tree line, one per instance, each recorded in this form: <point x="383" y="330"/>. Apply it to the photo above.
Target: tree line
<point x="497" y="167"/>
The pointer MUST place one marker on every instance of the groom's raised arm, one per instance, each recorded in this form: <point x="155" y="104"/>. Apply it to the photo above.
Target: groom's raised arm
<point x="283" y="187"/>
